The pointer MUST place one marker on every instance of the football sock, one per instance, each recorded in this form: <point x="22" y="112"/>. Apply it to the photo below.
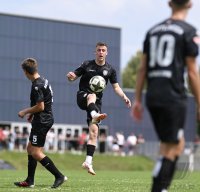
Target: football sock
<point x="89" y="159"/>
<point x="92" y="108"/>
<point x="49" y="165"/>
<point x="32" y="164"/>
<point x="163" y="174"/>
<point x="174" y="166"/>
<point x="90" y="153"/>
<point x="93" y="113"/>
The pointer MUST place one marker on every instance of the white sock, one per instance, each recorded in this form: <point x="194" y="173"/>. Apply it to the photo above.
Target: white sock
<point x="88" y="159"/>
<point x="93" y="113"/>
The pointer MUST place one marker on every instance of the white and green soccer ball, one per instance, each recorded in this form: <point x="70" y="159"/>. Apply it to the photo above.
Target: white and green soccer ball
<point x="97" y="84"/>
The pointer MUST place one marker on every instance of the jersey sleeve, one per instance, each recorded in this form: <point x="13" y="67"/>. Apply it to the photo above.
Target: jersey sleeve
<point x="38" y="94"/>
<point x="192" y="43"/>
<point x="113" y="76"/>
<point x="146" y="44"/>
<point x="81" y="69"/>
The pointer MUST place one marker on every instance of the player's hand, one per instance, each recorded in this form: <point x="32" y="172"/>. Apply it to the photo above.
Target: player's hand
<point x="71" y="76"/>
<point x="29" y="117"/>
<point x="127" y="101"/>
<point x="21" y="114"/>
<point x="137" y="111"/>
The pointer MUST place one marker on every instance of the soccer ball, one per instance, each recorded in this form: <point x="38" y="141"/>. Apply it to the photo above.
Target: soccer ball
<point x="97" y="84"/>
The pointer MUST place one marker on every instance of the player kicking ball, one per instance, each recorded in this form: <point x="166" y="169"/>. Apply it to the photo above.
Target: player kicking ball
<point x="94" y="75"/>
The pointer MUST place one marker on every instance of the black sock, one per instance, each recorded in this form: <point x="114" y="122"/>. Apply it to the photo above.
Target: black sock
<point x="49" y="165"/>
<point x="92" y="107"/>
<point x="32" y="164"/>
<point x="163" y="174"/>
<point x="90" y="150"/>
<point x="173" y="168"/>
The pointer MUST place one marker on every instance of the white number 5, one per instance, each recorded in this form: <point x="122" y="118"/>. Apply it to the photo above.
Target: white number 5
<point x="34" y="138"/>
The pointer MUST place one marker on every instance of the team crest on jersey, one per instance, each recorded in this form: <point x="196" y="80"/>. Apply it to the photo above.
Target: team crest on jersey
<point x="105" y="72"/>
<point x="36" y="88"/>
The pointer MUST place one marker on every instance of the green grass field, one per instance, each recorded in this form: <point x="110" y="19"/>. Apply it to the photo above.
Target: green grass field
<point x="114" y="174"/>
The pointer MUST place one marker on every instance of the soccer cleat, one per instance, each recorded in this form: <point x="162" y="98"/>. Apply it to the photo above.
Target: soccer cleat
<point x="89" y="168"/>
<point x="24" y="184"/>
<point x="98" y="117"/>
<point x="59" y="181"/>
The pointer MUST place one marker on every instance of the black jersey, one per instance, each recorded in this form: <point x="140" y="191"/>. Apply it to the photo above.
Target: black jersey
<point x="166" y="46"/>
<point x="89" y="69"/>
<point x="41" y="91"/>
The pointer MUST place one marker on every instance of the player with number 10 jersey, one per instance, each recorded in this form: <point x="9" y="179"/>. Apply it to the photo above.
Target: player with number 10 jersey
<point x="166" y="46"/>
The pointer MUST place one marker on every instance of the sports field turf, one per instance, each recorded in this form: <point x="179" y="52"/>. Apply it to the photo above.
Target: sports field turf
<point x="114" y="174"/>
<point x="104" y="181"/>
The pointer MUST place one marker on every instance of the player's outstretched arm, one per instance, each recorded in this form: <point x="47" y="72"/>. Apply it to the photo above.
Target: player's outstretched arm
<point x="71" y="76"/>
<point x="137" y="109"/>
<point x="120" y="92"/>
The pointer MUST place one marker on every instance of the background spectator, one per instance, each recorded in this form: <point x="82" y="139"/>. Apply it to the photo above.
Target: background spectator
<point x="131" y="143"/>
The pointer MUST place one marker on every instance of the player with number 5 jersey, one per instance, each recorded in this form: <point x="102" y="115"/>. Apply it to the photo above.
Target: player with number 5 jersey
<point x="41" y="91"/>
<point x="40" y="115"/>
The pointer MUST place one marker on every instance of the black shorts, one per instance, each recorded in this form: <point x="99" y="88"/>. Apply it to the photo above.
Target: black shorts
<point x="82" y="103"/>
<point x="38" y="134"/>
<point x="169" y="121"/>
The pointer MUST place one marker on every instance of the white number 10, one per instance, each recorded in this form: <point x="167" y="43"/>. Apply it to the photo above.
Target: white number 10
<point x="162" y="50"/>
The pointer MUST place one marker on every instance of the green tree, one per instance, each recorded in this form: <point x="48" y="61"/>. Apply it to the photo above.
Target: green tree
<point x="130" y="71"/>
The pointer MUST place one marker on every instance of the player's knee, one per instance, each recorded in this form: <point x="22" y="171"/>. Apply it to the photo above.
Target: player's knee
<point x="93" y="135"/>
<point x="180" y="149"/>
<point x="174" y="152"/>
<point x="36" y="156"/>
<point x="91" y="97"/>
<point x="29" y="149"/>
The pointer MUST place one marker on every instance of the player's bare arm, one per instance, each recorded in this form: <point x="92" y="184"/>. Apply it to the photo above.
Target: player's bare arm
<point x="194" y="80"/>
<point x="31" y="110"/>
<point x="120" y="92"/>
<point x="137" y="108"/>
<point x="71" y="76"/>
<point x="29" y="117"/>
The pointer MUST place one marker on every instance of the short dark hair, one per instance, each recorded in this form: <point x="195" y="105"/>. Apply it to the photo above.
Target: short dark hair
<point x="101" y="44"/>
<point x="30" y="65"/>
<point x="180" y="2"/>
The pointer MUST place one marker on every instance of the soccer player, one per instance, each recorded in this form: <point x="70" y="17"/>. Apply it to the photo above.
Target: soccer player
<point x="41" y="117"/>
<point x="169" y="48"/>
<point x="90" y="101"/>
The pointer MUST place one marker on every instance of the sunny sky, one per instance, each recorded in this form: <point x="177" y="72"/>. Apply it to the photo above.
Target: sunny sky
<point x="134" y="17"/>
